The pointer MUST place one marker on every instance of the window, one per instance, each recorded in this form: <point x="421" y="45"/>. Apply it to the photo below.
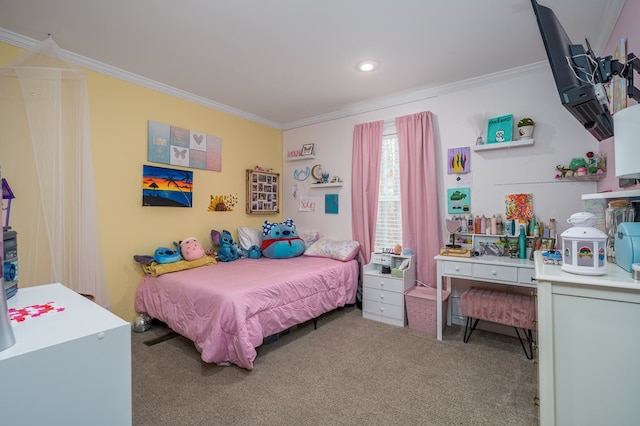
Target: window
<point x="389" y="225"/>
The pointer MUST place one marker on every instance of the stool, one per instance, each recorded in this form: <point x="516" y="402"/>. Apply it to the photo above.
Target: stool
<point x="501" y="307"/>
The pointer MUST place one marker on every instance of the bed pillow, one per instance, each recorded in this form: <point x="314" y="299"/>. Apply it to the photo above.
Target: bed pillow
<point x="281" y="240"/>
<point x="309" y="237"/>
<point x="339" y="250"/>
<point x="249" y="237"/>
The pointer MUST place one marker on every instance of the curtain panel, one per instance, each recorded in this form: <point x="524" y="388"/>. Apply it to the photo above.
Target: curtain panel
<point x="419" y="192"/>
<point x="367" y="150"/>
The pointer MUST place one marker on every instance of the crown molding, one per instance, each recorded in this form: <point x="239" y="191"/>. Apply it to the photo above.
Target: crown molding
<point x="27" y="43"/>
<point x="416" y="95"/>
<point x="355" y="109"/>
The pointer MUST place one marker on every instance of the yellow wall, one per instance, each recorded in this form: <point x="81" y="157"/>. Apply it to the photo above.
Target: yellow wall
<point x="119" y="114"/>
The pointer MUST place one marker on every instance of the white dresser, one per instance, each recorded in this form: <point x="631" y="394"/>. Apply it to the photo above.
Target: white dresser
<point x="383" y="294"/>
<point x="71" y="365"/>
<point x="588" y="347"/>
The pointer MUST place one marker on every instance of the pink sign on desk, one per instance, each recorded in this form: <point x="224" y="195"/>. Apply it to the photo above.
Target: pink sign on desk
<point x="21" y="314"/>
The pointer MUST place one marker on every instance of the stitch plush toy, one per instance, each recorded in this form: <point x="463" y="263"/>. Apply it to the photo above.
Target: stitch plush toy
<point x="281" y="240"/>
<point x="228" y="248"/>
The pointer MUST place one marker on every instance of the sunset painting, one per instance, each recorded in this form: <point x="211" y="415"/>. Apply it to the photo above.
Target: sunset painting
<point x="166" y="187"/>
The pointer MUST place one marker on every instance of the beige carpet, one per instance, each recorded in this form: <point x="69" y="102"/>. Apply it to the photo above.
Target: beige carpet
<point x="350" y="371"/>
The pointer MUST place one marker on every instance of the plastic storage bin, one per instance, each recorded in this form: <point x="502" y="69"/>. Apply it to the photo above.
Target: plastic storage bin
<point x="421" y="309"/>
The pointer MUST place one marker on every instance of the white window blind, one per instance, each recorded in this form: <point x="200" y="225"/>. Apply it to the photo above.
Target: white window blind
<point x="389" y="225"/>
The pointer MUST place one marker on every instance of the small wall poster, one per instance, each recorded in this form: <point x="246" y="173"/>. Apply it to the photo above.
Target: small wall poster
<point x="307" y="204"/>
<point x="458" y="160"/>
<point x="500" y="129"/>
<point x="166" y="187"/>
<point x="183" y="147"/>
<point x="331" y="203"/>
<point x="519" y="206"/>
<point x="458" y="200"/>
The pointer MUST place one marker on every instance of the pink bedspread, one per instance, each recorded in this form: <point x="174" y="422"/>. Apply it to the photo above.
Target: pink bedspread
<point x="227" y="309"/>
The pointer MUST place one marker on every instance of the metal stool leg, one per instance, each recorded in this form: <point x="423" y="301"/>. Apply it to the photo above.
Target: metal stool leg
<point x="529" y="337"/>
<point x="469" y="327"/>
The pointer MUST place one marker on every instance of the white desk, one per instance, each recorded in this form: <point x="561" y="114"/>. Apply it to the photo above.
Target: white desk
<point x="494" y="269"/>
<point x="68" y="367"/>
<point x="588" y="346"/>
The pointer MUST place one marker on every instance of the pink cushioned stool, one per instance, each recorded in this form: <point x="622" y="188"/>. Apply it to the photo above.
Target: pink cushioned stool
<point x="512" y="309"/>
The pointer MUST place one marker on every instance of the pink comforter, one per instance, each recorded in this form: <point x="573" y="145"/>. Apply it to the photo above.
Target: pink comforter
<point x="227" y="309"/>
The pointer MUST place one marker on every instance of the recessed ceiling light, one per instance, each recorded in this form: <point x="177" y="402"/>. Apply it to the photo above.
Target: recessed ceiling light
<point x="366" y="66"/>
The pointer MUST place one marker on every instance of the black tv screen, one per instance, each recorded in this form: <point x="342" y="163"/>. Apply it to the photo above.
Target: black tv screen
<point x="573" y="73"/>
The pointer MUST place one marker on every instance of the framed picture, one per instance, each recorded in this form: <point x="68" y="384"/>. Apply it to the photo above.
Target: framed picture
<point x="263" y="190"/>
<point x="307" y="149"/>
<point x="162" y="187"/>
<point x="547" y="243"/>
<point x="458" y="160"/>
<point x="535" y="245"/>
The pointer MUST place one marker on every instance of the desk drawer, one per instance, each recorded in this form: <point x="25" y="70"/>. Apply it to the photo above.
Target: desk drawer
<point x="457" y="268"/>
<point x="494" y="272"/>
<point x="383" y="283"/>
<point x="525" y="275"/>
<point x="382" y="296"/>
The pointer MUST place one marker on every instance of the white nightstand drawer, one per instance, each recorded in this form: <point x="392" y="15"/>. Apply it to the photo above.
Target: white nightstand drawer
<point x="494" y="272"/>
<point x="382" y="296"/>
<point x="384" y="310"/>
<point x="383" y="283"/>
<point x="457" y="268"/>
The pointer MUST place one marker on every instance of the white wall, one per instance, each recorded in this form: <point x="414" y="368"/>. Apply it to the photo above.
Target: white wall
<point x="528" y="92"/>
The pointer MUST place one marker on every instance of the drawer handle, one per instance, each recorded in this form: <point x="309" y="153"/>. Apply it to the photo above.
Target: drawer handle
<point x="457" y="269"/>
<point x="381" y="309"/>
<point x="494" y="272"/>
<point x="382" y="296"/>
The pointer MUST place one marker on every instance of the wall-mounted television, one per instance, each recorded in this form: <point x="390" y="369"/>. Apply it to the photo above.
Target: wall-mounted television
<point x="576" y="74"/>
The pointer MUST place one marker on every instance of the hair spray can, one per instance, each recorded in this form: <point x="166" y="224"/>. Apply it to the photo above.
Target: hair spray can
<point x="7" y="338"/>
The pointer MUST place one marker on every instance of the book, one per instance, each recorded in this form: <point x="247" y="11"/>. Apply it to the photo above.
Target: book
<point x="500" y="129"/>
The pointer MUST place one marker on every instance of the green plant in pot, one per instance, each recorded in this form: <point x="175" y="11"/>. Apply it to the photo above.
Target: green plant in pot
<point x="525" y="128"/>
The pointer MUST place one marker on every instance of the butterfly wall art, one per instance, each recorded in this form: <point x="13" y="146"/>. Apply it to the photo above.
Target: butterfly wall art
<point x="183" y="147"/>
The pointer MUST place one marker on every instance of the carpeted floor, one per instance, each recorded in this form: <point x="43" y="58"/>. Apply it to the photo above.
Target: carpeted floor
<point x="350" y="371"/>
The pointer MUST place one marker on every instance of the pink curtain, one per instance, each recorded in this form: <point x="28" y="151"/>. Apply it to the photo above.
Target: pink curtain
<point x="419" y="192"/>
<point x="367" y="150"/>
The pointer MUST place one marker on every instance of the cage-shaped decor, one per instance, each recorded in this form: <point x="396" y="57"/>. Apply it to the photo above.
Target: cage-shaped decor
<point x="583" y="246"/>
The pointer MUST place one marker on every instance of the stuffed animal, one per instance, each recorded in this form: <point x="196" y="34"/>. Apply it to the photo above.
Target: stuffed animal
<point x="254" y="252"/>
<point x="281" y="240"/>
<point x="191" y="249"/>
<point x="228" y="248"/>
<point x="166" y="255"/>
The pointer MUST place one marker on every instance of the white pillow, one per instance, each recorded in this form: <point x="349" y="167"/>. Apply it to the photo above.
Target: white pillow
<point x="339" y="250"/>
<point x="249" y="237"/>
<point x="309" y="237"/>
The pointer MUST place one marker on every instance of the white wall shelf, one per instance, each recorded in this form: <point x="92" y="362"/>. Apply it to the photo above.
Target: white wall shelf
<point x="301" y="157"/>
<point x="615" y="194"/>
<point x="585" y="178"/>
<point x="503" y="145"/>
<point x="326" y="185"/>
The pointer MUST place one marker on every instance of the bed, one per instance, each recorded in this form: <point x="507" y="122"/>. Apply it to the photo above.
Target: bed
<point x="227" y="309"/>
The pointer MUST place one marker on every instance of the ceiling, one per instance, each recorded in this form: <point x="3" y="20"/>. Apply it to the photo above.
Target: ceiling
<point x="288" y="63"/>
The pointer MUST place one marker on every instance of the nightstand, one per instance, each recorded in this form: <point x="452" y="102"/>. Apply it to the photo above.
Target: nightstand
<point x="383" y="294"/>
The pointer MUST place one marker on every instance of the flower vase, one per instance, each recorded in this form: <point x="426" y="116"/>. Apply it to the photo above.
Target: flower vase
<point x="526" y="132"/>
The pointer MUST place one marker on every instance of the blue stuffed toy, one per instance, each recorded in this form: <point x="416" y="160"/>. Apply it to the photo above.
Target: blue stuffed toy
<point x="281" y="240"/>
<point x="228" y="248"/>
